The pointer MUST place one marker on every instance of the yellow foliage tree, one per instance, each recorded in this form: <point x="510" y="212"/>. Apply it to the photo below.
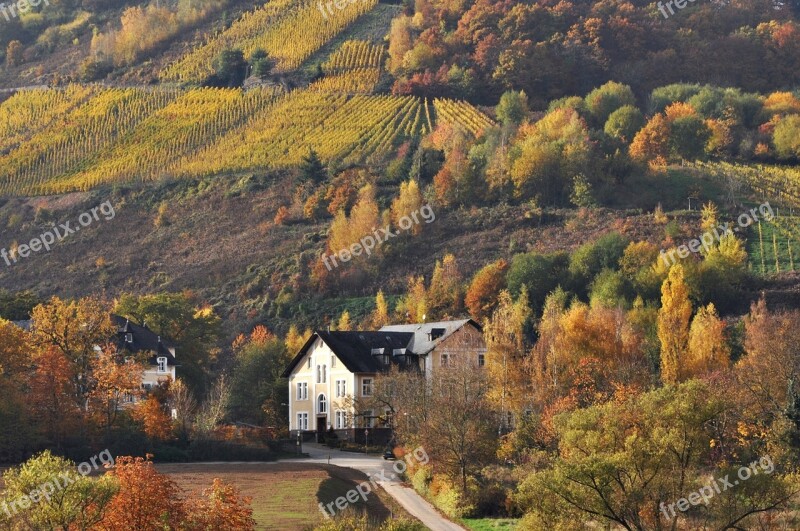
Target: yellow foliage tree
<point x="294" y="340"/>
<point x="410" y="200"/>
<point x="505" y="352"/>
<point x="673" y="324"/>
<point x="344" y="322"/>
<point x="444" y="293"/>
<point x="708" y="349"/>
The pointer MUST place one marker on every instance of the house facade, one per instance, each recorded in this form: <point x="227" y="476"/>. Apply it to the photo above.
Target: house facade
<point x="333" y="370"/>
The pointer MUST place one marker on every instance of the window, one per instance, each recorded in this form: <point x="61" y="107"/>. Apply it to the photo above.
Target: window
<point x="162" y="365"/>
<point x="319" y="373"/>
<point x="333" y="361"/>
<point x="445" y="359"/>
<point x="324" y="373"/>
<point x="368" y="419"/>
<point x="341" y="388"/>
<point x="129" y="338"/>
<point x="309" y="362"/>
<point x="322" y="404"/>
<point x="341" y="420"/>
<point x="366" y="387"/>
<point x="481" y="360"/>
<point x="147" y="386"/>
<point x="302" y="421"/>
<point x="302" y="390"/>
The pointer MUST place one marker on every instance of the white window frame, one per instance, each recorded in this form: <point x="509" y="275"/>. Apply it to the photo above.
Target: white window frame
<point x="366" y="387"/>
<point x="333" y="361"/>
<point x="341" y="419"/>
<point x="302" y="390"/>
<point x="322" y="404"/>
<point x="368" y="419"/>
<point x="341" y="388"/>
<point x="161" y="361"/>
<point x="302" y="421"/>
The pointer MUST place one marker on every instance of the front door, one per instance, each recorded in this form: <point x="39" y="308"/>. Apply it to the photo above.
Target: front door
<point x="322" y="424"/>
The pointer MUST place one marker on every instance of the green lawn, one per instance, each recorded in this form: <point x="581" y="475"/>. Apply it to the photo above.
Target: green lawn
<point x="490" y="524"/>
<point x="286" y="496"/>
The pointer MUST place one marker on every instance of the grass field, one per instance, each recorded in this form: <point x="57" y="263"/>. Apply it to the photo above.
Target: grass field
<point x="490" y="524"/>
<point x="780" y="245"/>
<point x="285" y="495"/>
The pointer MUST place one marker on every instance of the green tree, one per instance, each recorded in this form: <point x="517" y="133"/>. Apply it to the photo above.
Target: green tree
<point x="261" y="64"/>
<point x="256" y="378"/>
<point x="604" y="100"/>
<point x="539" y="273"/>
<point x="624" y="123"/>
<point x="183" y="319"/>
<point x="80" y="502"/>
<point x="620" y="461"/>
<point x="513" y="107"/>
<point x="230" y="69"/>
<point x="312" y="169"/>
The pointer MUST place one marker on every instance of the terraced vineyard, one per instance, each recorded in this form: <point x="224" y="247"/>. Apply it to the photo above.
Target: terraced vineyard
<point x="340" y="129"/>
<point x="289" y="32"/>
<point x="462" y="113"/>
<point x="85" y="136"/>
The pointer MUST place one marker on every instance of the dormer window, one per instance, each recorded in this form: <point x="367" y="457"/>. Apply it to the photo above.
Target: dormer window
<point x="162" y="365"/>
<point x="435" y="333"/>
<point x="128" y="338"/>
<point x="399" y="352"/>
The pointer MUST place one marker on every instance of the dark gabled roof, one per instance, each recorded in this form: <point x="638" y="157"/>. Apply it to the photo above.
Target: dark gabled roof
<point x="144" y="340"/>
<point x="355" y="349"/>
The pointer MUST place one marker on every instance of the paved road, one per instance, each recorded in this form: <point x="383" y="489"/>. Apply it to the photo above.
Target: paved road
<point x="386" y="477"/>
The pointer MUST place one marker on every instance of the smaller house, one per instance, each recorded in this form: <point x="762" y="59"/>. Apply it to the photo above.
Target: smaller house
<point x="133" y="338"/>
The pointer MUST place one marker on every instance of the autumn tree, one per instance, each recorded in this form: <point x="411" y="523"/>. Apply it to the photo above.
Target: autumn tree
<point x="445" y="291"/>
<point x="344" y="324"/>
<point x="413" y="307"/>
<point x="708" y="348"/>
<point x="221" y="507"/>
<point x="75" y="328"/>
<point x="364" y="218"/>
<point x="115" y="381"/>
<point x="15" y="367"/>
<point x="152" y="416"/>
<point x="673" y="325"/>
<point x="380" y="315"/>
<point x="294" y="340"/>
<point x="51" y="398"/>
<point x="409" y="201"/>
<point x="146" y="500"/>
<point x="506" y="345"/>
<point x="459" y="428"/>
<point x="620" y="461"/>
<point x="486" y="285"/>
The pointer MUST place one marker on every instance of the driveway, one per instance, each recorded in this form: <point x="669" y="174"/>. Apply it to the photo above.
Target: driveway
<point x="386" y="477"/>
